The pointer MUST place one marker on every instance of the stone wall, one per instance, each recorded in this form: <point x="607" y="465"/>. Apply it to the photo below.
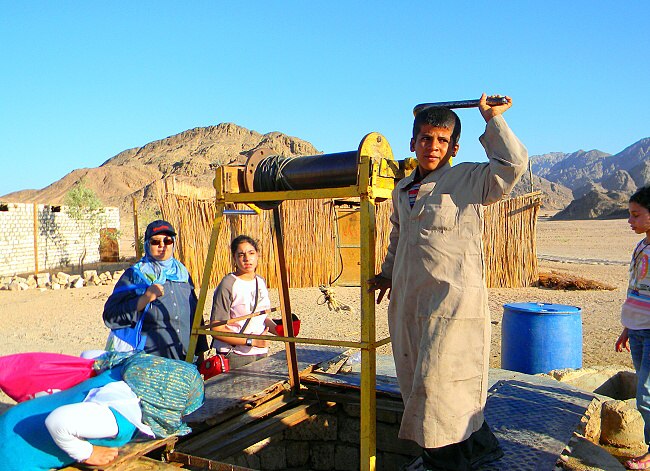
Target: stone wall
<point x="330" y="440"/>
<point x="59" y="239"/>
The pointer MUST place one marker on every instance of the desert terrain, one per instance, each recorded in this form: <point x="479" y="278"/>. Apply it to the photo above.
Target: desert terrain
<point x="69" y="321"/>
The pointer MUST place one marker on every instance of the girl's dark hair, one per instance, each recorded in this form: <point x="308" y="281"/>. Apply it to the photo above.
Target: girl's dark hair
<point x="237" y="241"/>
<point x="438" y="118"/>
<point x="642" y="197"/>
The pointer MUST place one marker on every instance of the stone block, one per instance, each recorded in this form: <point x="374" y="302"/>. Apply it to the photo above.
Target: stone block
<point x="55" y="286"/>
<point x="77" y="282"/>
<point x="62" y="278"/>
<point x="43" y="280"/>
<point x="349" y="429"/>
<point x="89" y="274"/>
<point x="621" y="425"/>
<point x="346" y="458"/>
<point x="297" y="454"/>
<point x="317" y="427"/>
<point x="322" y="455"/>
<point x="273" y="457"/>
<point x="31" y="281"/>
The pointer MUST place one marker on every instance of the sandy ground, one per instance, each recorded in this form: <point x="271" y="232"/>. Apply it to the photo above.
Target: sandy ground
<point x="69" y="321"/>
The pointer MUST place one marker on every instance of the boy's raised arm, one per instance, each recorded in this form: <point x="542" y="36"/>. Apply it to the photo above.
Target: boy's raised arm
<point x="488" y="112"/>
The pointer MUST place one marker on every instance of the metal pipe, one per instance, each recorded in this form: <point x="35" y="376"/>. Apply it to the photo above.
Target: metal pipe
<point x="492" y="101"/>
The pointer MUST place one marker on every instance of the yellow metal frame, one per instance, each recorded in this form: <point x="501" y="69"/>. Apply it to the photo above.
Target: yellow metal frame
<point x="376" y="179"/>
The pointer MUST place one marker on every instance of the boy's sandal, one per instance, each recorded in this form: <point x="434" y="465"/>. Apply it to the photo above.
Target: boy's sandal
<point x="637" y="463"/>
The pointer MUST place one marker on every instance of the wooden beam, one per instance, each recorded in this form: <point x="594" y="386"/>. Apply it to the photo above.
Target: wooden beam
<point x="254" y="433"/>
<point x="197" y="462"/>
<point x="131" y="452"/>
<point x="285" y="302"/>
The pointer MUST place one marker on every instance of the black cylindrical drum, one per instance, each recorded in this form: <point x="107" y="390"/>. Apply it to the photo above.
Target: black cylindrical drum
<point x="276" y="173"/>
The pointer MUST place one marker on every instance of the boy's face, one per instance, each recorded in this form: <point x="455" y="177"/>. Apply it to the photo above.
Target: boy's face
<point x="639" y="219"/>
<point x="433" y="148"/>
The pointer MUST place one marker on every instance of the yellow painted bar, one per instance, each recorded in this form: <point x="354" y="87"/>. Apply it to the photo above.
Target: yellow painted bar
<point x="277" y="338"/>
<point x="368" y="356"/>
<point x="342" y="192"/>
<point x="372" y="148"/>
<point x="205" y="282"/>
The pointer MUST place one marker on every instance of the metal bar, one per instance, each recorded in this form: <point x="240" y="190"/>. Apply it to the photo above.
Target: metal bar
<point x="285" y="302"/>
<point x="279" y="338"/>
<point x="368" y="432"/>
<point x="381" y="342"/>
<point x="492" y="101"/>
<point x="205" y="283"/>
<point x="236" y="212"/>
<point x="343" y="192"/>
<point x="234" y="320"/>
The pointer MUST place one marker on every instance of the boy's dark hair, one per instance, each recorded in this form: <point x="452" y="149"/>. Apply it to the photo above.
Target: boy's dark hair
<point x="642" y="197"/>
<point x="439" y="118"/>
<point x="240" y="240"/>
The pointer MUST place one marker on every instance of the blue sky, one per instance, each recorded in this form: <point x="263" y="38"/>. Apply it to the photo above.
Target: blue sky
<point x="82" y="81"/>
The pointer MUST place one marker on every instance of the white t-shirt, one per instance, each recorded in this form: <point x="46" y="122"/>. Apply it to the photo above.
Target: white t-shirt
<point x="235" y="297"/>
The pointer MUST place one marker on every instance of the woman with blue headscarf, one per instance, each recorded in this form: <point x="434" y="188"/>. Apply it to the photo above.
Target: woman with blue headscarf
<point x="157" y="292"/>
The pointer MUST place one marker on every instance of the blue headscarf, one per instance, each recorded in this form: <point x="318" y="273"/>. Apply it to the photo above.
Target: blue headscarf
<point x="149" y="271"/>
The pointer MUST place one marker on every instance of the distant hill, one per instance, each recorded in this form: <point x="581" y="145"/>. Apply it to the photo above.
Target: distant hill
<point x="556" y="195"/>
<point x="584" y="184"/>
<point x="190" y="156"/>
<point x="601" y="183"/>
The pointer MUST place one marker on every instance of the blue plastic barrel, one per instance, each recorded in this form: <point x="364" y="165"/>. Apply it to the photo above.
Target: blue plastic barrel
<point x="540" y="337"/>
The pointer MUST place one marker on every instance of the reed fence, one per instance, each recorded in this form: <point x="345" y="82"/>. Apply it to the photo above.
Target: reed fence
<point x="309" y="229"/>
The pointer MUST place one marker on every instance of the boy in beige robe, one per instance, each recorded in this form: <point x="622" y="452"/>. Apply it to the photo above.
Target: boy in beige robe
<point x="438" y="313"/>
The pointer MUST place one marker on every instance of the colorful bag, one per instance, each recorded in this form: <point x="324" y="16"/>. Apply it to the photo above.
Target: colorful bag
<point x="24" y="376"/>
<point x="294" y="321"/>
<point x="214" y="364"/>
<point x="128" y="339"/>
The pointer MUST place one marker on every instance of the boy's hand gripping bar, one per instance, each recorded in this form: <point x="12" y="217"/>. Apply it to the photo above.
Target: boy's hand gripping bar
<point x="491" y="100"/>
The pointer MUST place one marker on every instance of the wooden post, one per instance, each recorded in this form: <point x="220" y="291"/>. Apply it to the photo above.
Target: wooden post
<point x="285" y="303"/>
<point x="35" y="237"/>
<point x="136" y="230"/>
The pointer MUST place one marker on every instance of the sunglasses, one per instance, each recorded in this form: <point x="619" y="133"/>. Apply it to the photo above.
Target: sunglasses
<point x="159" y="242"/>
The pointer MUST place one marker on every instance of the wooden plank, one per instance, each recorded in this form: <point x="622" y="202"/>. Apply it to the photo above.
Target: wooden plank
<point x="256" y="432"/>
<point x="130" y="452"/>
<point x="232" y="392"/>
<point x="203" y="463"/>
<point x="198" y="441"/>
<point x="384" y="384"/>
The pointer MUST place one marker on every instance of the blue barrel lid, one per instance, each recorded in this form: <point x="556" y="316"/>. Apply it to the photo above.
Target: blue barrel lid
<point x="542" y="308"/>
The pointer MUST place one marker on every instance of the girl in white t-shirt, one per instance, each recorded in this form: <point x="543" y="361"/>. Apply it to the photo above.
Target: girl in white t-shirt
<point x="240" y="293"/>
<point x="635" y="315"/>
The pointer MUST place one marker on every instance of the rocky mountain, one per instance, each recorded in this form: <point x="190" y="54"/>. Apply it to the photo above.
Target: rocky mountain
<point x="189" y="156"/>
<point x="556" y="195"/>
<point x="571" y="170"/>
<point x="601" y="183"/>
